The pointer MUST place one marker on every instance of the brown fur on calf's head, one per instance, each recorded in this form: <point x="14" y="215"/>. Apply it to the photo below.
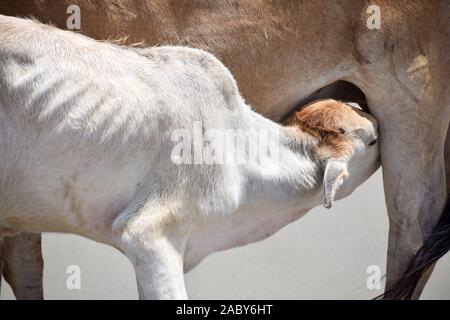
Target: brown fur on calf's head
<point x="345" y="142"/>
<point x="331" y="122"/>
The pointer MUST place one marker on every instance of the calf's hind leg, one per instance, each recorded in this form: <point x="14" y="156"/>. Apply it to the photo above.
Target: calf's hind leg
<point x="154" y="243"/>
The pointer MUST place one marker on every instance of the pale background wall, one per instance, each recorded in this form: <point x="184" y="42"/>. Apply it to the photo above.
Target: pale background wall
<point x="322" y="256"/>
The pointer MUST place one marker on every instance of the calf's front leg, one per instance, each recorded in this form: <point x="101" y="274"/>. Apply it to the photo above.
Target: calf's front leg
<point x="156" y="252"/>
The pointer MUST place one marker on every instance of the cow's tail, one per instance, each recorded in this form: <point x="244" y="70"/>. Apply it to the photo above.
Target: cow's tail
<point x="434" y="247"/>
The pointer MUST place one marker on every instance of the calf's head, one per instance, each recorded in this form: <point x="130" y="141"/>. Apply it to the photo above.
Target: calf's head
<point x="345" y="143"/>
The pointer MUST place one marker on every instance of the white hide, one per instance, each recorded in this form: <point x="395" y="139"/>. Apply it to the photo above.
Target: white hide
<point x="85" y="139"/>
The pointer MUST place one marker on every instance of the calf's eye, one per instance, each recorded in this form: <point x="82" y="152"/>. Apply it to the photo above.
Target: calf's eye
<point x="373" y="142"/>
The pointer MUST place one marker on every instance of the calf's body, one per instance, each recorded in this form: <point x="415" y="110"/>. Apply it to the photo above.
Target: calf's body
<point x="88" y="133"/>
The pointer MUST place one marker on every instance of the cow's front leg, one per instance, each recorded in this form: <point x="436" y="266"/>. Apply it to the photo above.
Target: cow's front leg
<point x="156" y="252"/>
<point x="23" y="265"/>
<point x="412" y="152"/>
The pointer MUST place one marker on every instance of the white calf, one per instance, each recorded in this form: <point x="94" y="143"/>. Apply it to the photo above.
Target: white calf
<point x="103" y="141"/>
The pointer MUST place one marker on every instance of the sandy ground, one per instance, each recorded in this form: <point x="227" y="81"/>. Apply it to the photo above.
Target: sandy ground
<point x="324" y="255"/>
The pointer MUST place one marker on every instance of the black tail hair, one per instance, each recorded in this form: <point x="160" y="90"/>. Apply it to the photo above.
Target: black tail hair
<point x="434" y="247"/>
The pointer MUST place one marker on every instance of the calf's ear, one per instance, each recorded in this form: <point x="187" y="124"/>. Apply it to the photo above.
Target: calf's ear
<point x="334" y="176"/>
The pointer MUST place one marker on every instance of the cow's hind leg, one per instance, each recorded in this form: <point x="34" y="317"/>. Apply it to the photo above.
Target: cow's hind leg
<point x="23" y="265"/>
<point x="1" y="263"/>
<point x="152" y="240"/>
<point x="412" y="135"/>
<point x="436" y="245"/>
